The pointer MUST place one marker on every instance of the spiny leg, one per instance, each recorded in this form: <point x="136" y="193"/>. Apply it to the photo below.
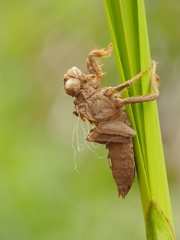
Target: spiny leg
<point x="149" y="97"/>
<point x="111" y="90"/>
<point x="128" y="83"/>
<point x="154" y="84"/>
<point x="92" y="64"/>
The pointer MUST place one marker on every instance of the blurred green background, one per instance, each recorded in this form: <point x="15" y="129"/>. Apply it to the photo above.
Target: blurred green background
<point x="41" y="194"/>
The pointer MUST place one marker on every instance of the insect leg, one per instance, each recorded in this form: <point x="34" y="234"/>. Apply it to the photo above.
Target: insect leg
<point x="149" y="97"/>
<point x="111" y="90"/>
<point x="92" y="64"/>
<point x="128" y="83"/>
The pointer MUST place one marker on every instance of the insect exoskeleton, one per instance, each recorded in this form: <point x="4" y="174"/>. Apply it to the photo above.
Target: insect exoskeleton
<point x="104" y="108"/>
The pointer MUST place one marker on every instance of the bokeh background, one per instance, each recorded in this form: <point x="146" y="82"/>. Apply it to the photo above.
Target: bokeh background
<point x="42" y="196"/>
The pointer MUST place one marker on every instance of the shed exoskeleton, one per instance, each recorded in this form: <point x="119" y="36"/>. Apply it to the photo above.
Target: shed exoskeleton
<point x="104" y="109"/>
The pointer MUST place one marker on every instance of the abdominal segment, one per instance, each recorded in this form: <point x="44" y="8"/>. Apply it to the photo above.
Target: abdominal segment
<point x="121" y="155"/>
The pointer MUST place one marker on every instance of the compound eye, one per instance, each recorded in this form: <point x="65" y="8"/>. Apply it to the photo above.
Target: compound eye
<point x="72" y="86"/>
<point x="74" y="72"/>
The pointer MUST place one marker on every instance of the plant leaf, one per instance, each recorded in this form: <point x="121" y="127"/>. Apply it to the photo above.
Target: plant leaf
<point x="127" y="23"/>
<point x="155" y="222"/>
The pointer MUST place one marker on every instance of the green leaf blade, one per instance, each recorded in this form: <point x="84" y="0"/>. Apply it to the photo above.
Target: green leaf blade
<point x="127" y="23"/>
<point x="156" y="223"/>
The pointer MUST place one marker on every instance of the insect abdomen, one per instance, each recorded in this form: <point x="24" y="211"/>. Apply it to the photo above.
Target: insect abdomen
<point x="122" y="164"/>
<point x="117" y="136"/>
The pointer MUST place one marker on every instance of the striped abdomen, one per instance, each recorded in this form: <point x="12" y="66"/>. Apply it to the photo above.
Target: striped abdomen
<point x="117" y="136"/>
<point x="121" y="157"/>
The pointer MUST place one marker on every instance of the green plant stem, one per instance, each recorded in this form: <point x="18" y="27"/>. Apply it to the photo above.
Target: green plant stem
<point x="127" y="23"/>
